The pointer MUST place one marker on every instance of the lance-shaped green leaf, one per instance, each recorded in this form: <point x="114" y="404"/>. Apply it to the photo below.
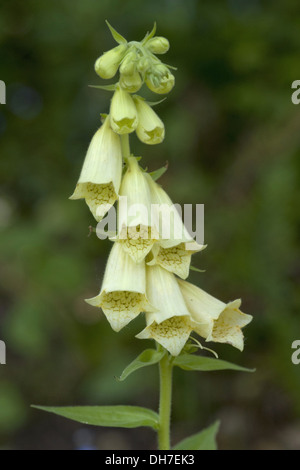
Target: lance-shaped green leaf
<point x="203" y="440"/>
<point x="117" y="36"/>
<point x="110" y="416"/>
<point x="146" y="358"/>
<point x="201" y="363"/>
<point x="156" y="174"/>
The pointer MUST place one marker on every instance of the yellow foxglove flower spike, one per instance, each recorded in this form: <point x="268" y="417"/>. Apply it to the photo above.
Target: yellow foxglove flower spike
<point x="216" y="321"/>
<point x="176" y="259"/>
<point x="150" y="128"/>
<point x="100" y="177"/>
<point x="123" y="113"/>
<point x="172" y="231"/>
<point x="123" y="292"/>
<point x="137" y="231"/>
<point x="170" y="324"/>
<point x="107" y="64"/>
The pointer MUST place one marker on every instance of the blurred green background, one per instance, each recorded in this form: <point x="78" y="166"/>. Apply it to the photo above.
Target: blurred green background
<point x="233" y="144"/>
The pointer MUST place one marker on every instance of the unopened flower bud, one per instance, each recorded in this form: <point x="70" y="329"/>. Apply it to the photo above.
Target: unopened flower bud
<point x="158" y="45"/>
<point x="131" y="83"/>
<point x="143" y="64"/>
<point x="160" y="80"/>
<point x="128" y="65"/>
<point x="150" y="128"/>
<point x="106" y="66"/>
<point x="123" y="113"/>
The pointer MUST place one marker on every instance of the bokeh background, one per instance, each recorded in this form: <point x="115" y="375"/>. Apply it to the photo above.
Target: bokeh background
<point x="232" y="142"/>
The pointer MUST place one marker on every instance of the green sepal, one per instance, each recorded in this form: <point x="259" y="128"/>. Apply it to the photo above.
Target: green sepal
<point x="149" y="35"/>
<point x="150" y="103"/>
<point x="202" y="363"/>
<point x="154" y="103"/>
<point x="170" y="66"/>
<point x="103" y="116"/>
<point x="146" y="358"/>
<point x="156" y="174"/>
<point x="117" y="36"/>
<point x="193" y="268"/>
<point x="108" y="416"/>
<point x="105" y="87"/>
<point x="203" y="440"/>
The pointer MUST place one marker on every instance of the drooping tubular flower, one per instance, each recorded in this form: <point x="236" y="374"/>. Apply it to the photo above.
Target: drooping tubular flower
<point x="100" y="177"/>
<point x="123" y="292"/>
<point x="123" y="113"/>
<point x="176" y="259"/>
<point x="175" y="247"/>
<point x="172" y="231"/>
<point x="150" y="129"/>
<point x="215" y="320"/>
<point x="137" y="230"/>
<point x="170" y="323"/>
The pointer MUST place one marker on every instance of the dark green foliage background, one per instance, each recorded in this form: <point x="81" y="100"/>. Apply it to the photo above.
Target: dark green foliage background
<point x="232" y="142"/>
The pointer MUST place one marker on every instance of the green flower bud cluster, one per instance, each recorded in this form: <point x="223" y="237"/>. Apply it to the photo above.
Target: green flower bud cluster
<point x="137" y="64"/>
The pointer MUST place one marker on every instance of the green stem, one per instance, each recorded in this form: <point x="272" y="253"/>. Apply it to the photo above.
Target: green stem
<point x="125" y="146"/>
<point x="165" y="399"/>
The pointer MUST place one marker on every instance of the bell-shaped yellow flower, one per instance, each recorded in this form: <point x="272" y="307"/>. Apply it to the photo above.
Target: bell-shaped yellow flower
<point x="172" y="230"/>
<point x="150" y="129"/>
<point x="107" y="64"/>
<point x="123" y="292"/>
<point x="176" y="259"/>
<point x="137" y="230"/>
<point x="100" y="177"/>
<point x="170" y="322"/>
<point x="123" y="113"/>
<point x="215" y="320"/>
